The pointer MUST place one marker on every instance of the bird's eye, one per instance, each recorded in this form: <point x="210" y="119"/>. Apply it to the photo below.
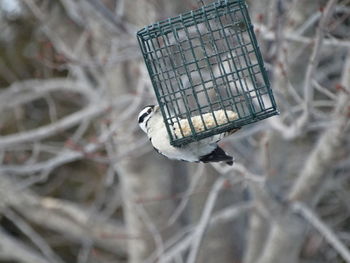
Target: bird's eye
<point x="149" y="111"/>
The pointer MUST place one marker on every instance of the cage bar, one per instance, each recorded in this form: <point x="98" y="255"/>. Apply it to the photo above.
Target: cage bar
<point x="207" y="71"/>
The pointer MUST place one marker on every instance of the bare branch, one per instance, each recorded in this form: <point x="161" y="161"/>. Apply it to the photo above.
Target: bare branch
<point x="186" y="197"/>
<point x="324" y="230"/>
<point x="72" y="221"/>
<point x="204" y="220"/>
<point x="67" y="155"/>
<point x="329" y="42"/>
<point x="296" y="128"/>
<point x="323" y="155"/>
<point x="25" y="91"/>
<point x="34" y="236"/>
<point x="9" y="244"/>
<point x="29" y="90"/>
<point x="153" y="230"/>
<point x="178" y="244"/>
<point x="241" y="170"/>
<point x="49" y="130"/>
<point x="315" y="56"/>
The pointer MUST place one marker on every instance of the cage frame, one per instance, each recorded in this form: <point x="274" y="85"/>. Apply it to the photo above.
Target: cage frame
<point x="193" y="18"/>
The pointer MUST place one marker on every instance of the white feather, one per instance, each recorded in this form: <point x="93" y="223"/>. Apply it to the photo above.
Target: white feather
<point x="191" y="152"/>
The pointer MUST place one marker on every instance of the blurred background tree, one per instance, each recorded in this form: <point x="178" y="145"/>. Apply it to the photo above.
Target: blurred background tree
<point x="80" y="183"/>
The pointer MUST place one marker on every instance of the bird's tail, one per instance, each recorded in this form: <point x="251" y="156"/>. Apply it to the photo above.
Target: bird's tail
<point x="218" y="155"/>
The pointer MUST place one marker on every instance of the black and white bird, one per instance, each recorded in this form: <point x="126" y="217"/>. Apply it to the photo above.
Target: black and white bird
<point x="206" y="150"/>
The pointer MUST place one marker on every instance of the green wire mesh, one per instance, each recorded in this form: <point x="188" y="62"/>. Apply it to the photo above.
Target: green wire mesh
<point x="204" y="61"/>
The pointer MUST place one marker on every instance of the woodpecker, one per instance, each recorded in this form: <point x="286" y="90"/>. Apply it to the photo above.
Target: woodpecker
<point x="206" y="150"/>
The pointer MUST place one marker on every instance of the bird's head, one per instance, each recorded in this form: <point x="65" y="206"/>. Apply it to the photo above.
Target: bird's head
<point x="145" y="114"/>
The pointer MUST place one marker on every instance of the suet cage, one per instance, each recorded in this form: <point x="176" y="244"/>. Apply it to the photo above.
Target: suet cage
<point x="207" y="63"/>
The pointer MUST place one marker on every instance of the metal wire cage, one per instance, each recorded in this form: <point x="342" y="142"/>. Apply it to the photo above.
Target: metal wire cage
<point x="207" y="71"/>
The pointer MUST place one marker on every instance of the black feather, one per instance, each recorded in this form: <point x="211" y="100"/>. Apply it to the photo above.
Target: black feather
<point x="143" y="116"/>
<point x="218" y="155"/>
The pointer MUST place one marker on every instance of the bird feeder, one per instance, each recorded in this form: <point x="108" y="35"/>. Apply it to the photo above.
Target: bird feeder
<point x="207" y="71"/>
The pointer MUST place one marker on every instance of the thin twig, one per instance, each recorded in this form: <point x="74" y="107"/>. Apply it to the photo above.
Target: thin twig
<point x="184" y="200"/>
<point x="178" y="244"/>
<point x="15" y="250"/>
<point x="158" y="240"/>
<point x="315" y="56"/>
<point x="323" y="90"/>
<point x="205" y="219"/>
<point x="46" y="131"/>
<point x="323" y="155"/>
<point x="324" y="230"/>
<point x="64" y="217"/>
<point x="329" y="42"/>
<point x="34" y="236"/>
